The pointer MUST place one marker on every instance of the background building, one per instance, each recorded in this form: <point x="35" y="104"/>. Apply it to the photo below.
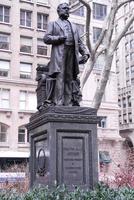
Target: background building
<point x="22" y="27"/>
<point x="112" y="152"/>
<point x="125" y="74"/>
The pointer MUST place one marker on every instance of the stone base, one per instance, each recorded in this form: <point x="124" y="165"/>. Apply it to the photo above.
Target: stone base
<point x="64" y="147"/>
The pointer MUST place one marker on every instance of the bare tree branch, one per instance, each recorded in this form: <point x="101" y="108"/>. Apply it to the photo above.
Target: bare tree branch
<point x="94" y="54"/>
<point x="89" y="66"/>
<point x="101" y="51"/>
<point x="111" y="17"/>
<point x="87" y="71"/>
<point x="75" y="8"/>
<point x="108" y="48"/>
<point x="103" y="33"/>
<point x="103" y="82"/>
<point x="83" y="35"/>
<point x="88" y="19"/>
<point x="100" y="39"/>
<point x="85" y="3"/>
<point x="107" y="24"/>
<point x="123" y="3"/>
<point x="76" y="3"/>
<point x="111" y="22"/>
<point x="122" y="34"/>
<point x="129" y="33"/>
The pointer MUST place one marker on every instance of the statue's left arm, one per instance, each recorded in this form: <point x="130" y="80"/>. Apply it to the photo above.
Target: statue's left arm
<point x="83" y="50"/>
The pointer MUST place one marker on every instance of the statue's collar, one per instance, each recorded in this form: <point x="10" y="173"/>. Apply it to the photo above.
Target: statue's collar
<point x="61" y="24"/>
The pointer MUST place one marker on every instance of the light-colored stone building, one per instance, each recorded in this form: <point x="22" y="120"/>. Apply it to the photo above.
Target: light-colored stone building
<point x="125" y="75"/>
<point x="22" y="26"/>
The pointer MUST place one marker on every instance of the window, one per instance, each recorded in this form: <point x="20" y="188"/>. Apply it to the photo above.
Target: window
<point x="99" y="11"/>
<point x="80" y="28"/>
<point x="132" y="44"/>
<point x="42" y="21"/>
<point x="125" y="21"/>
<point x="132" y="72"/>
<point x="116" y="28"/>
<point x="4" y="14"/>
<point x="102" y="123"/>
<point x="132" y="81"/>
<point x="127" y="58"/>
<point x="124" y="118"/>
<point x="130" y="117"/>
<point x="120" y="119"/>
<point x="25" y="44"/>
<point x="4" y="41"/>
<point x="129" y="101"/>
<point x="127" y="73"/>
<point x="22" y="105"/>
<point x="132" y="69"/>
<point x="117" y="66"/>
<point x="99" y="62"/>
<point x="126" y="46"/>
<point x="127" y="82"/>
<point x="124" y="102"/>
<point x="25" y="70"/>
<point x="4" y="68"/>
<point x="27" y="100"/>
<point x="4" y="98"/>
<point x="22" y="133"/>
<point x="3" y="132"/>
<point x="79" y="11"/>
<point x="41" y="47"/>
<point x="117" y="52"/>
<point x="119" y="102"/>
<point x="96" y="33"/>
<point x="104" y="157"/>
<point x="118" y="82"/>
<point x="132" y="56"/>
<point x="25" y="18"/>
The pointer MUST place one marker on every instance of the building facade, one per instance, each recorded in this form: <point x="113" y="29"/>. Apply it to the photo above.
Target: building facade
<point x="22" y="26"/>
<point x="125" y="75"/>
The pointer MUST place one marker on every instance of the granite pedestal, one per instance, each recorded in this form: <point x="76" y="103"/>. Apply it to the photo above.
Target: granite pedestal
<point x="64" y="147"/>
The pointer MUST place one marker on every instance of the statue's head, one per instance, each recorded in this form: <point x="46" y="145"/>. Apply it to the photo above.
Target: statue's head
<point x="63" y="10"/>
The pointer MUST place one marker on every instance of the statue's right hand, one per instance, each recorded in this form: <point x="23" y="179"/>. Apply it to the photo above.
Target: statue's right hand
<point x="62" y="39"/>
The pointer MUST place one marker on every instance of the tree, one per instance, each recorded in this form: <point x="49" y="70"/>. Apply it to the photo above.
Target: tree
<point x="109" y="40"/>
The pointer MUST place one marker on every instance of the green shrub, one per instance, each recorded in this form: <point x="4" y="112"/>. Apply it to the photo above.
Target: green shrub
<point x="101" y="192"/>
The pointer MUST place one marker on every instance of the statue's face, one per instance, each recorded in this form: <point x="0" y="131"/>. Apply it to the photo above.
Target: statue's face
<point x="64" y="11"/>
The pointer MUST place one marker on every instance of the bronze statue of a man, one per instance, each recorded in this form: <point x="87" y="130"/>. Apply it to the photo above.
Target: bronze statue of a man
<point x="63" y="65"/>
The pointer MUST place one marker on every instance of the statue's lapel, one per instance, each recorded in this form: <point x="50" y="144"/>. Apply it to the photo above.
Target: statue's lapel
<point x="59" y="22"/>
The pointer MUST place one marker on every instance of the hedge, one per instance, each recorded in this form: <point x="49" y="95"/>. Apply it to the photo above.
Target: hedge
<point x="101" y="192"/>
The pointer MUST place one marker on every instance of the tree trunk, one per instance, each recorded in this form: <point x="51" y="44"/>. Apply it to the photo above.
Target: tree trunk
<point x="103" y="82"/>
<point x="86" y="73"/>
